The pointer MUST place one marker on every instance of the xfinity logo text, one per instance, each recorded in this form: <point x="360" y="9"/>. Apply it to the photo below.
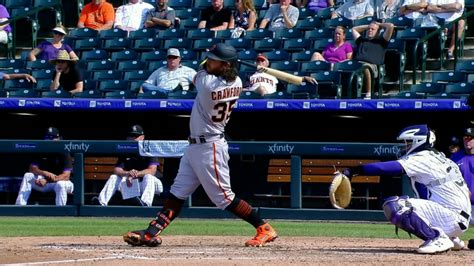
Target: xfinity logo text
<point x="281" y="148"/>
<point x="395" y="150"/>
<point x="76" y="147"/>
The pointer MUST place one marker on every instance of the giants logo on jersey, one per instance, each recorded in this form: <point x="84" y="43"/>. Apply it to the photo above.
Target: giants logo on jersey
<point x="229" y="92"/>
<point x="259" y="79"/>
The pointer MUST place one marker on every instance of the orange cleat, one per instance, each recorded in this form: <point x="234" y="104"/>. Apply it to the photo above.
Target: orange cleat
<point x="265" y="234"/>
<point x="140" y="238"/>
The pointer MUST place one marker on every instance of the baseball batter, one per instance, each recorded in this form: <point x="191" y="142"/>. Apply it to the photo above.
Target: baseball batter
<point x="445" y="214"/>
<point x="205" y="160"/>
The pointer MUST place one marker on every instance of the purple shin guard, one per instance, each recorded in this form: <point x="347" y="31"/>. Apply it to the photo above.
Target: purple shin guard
<point x="399" y="212"/>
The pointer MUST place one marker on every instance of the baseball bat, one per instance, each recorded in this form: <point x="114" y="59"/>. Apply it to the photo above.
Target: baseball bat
<point x="276" y="73"/>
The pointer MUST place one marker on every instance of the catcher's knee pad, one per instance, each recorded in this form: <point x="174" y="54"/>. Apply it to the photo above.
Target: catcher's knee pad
<point x="398" y="211"/>
<point x="29" y="176"/>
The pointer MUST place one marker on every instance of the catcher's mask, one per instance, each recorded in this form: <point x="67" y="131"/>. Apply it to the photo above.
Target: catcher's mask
<point x="417" y="138"/>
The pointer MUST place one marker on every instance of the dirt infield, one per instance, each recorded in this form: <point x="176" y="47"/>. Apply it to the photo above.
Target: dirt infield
<point x="194" y="250"/>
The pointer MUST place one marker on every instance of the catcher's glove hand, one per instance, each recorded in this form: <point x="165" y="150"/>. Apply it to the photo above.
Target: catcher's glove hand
<point x="340" y="191"/>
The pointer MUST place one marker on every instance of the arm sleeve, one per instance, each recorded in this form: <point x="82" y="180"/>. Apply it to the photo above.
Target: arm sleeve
<point x="382" y="168"/>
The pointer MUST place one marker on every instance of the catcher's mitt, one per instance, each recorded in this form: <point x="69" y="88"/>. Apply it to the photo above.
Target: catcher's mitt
<point x="340" y="191"/>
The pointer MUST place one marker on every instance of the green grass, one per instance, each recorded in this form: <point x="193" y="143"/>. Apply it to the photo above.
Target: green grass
<point x="110" y="226"/>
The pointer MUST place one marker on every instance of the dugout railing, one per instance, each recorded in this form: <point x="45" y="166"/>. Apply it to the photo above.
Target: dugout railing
<point x="80" y="148"/>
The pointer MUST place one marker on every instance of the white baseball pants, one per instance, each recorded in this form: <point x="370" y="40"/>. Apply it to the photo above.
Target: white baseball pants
<point x="61" y="188"/>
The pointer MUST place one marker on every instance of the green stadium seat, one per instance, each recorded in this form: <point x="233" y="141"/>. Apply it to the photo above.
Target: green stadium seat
<point x="181" y="94"/>
<point x="121" y="94"/>
<point x="56" y="94"/>
<point x="250" y="95"/>
<point x="125" y="55"/>
<point x="152" y="95"/>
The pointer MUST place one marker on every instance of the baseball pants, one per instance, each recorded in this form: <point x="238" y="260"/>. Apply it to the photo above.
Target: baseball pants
<point x="61" y="188"/>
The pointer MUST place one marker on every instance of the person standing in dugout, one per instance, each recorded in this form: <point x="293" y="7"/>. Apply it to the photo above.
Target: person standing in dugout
<point x="205" y="160"/>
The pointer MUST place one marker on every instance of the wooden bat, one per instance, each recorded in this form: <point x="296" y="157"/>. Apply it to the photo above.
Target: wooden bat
<point x="276" y="73"/>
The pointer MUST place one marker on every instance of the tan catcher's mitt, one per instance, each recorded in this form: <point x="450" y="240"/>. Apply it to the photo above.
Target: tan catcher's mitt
<point x="340" y="191"/>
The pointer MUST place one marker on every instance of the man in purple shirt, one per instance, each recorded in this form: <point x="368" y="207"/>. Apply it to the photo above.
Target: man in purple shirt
<point x="465" y="160"/>
<point x="4" y="29"/>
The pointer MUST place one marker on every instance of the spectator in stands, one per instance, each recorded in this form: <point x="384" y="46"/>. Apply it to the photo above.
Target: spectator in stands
<point x="216" y="17"/>
<point x="413" y="9"/>
<point x="48" y="50"/>
<point x="162" y="17"/>
<point x="465" y="160"/>
<point x="5" y="30"/>
<point x="264" y="83"/>
<point x="171" y="76"/>
<point x="47" y="173"/>
<point x="243" y="17"/>
<point x="66" y="74"/>
<point x="98" y="15"/>
<point x="386" y="9"/>
<point x="280" y="16"/>
<point x="131" y="16"/>
<point x="314" y="5"/>
<point x="448" y="10"/>
<point x="135" y="177"/>
<point x="337" y="51"/>
<point x="28" y="77"/>
<point x="354" y="9"/>
<point x="371" y="49"/>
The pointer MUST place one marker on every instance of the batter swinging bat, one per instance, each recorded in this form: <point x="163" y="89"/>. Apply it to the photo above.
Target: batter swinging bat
<point x="276" y="73"/>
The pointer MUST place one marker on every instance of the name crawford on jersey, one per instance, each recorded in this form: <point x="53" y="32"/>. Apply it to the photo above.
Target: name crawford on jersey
<point x="230" y="92"/>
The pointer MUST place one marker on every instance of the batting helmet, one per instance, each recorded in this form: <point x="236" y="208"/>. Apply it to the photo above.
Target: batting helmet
<point x="222" y="52"/>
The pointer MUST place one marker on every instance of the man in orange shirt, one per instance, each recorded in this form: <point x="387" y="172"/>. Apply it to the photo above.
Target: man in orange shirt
<point x="97" y="15"/>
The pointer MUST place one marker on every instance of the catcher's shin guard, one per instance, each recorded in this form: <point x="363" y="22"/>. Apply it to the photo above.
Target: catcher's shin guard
<point x="400" y="213"/>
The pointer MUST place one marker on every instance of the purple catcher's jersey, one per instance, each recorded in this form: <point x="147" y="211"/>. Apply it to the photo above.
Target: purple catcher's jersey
<point x="213" y="104"/>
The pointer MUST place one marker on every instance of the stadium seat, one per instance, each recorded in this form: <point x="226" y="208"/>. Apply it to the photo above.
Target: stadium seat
<point x="106" y="75"/>
<point x="194" y="64"/>
<point x="42" y="74"/>
<point x="308" y="24"/>
<point x="247" y="68"/>
<point x="400" y="22"/>
<point x="39" y="64"/>
<point x="465" y="65"/>
<point x="126" y="55"/>
<point x="250" y="95"/>
<point x="329" y="84"/>
<point x="304" y="91"/>
<point x="147" y="44"/>
<point x="171" y="34"/>
<point x="140" y="75"/>
<point x="302" y="56"/>
<point x="278" y="95"/>
<point x="448" y="77"/>
<point x="287" y="66"/>
<point x="288" y="34"/>
<point x="461" y="89"/>
<point x="56" y="94"/>
<point x="180" y="4"/>
<point x="267" y="45"/>
<point x="413" y="46"/>
<point x="90" y="84"/>
<point x="181" y="94"/>
<point x="82" y="33"/>
<point x="259" y="34"/>
<point x="363" y="21"/>
<point x="296" y="45"/>
<point x="325" y="13"/>
<point x="320" y="45"/>
<point x="427" y="88"/>
<point x="277" y="55"/>
<point x="152" y="95"/>
<point x="340" y="21"/>
<point x="179" y="43"/>
<point x="317" y="34"/>
<point x="248" y="55"/>
<point x="395" y="61"/>
<point x="407" y="95"/>
<point x="156" y="55"/>
<point x="11" y="4"/>
<point x="113" y="85"/>
<point x="131" y="65"/>
<point x="92" y="55"/>
<point x="197" y="34"/>
<point x="87" y="44"/>
<point x="306" y="13"/>
<point x="224" y="34"/>
<point x="202" y="4"/>
<point x="117" y="44"/>
<point x="13" y="84"/>
<point x="315" y="66"/>
<point x="91" y="94"/>
<point x="187" y="13"/>
<point x="187" y="55"/>
<point x="351" y="78"/>
<point x="121" y="94"/>
<point x="43" y="84"/>
<point x="240" y="43"/>
<point x="6" y="63"/>
<point x="100" y="65"/>
<point x="112" y="34"/>
<point x="205" y="44"/>
<point x="144" y="33"/>
<point x="154" y="65"/>
<point x="22" y="93"/>
<point x="189" y="23"/>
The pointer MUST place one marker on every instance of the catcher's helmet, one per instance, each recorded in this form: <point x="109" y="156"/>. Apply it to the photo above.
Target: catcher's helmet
<point x="417" y="138"/>
<point x="223" y="52"/>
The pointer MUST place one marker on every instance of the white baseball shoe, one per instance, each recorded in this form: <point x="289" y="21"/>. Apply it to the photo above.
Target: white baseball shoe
<point x="458" y="244"/>
<point x="440" y="244"/>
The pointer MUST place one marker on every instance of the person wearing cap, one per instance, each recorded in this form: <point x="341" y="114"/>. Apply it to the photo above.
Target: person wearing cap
<point x="131" y="16"/>
<point x="135" y="177"/>
<point x="66" y="75"/>
<point x="161" y="17"/>
<point x="169" y="77"/>
<point x="47" y="173"/>
<point x="261" y="82"/>
<point x="205" y="159"/>
<point x="280" y="16"/>
<point x="216" y="17"/>
<point x="97" y="15"/>
<point x="465" y="160"/>
<point x="48" y="50"/>
<point x="6" y="29"/>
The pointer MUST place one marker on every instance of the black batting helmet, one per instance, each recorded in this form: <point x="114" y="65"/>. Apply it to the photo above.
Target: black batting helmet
<point x="223" y="52"/>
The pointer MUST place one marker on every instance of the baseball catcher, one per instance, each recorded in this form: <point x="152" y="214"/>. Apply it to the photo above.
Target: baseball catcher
<point x="340" y="191"/>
